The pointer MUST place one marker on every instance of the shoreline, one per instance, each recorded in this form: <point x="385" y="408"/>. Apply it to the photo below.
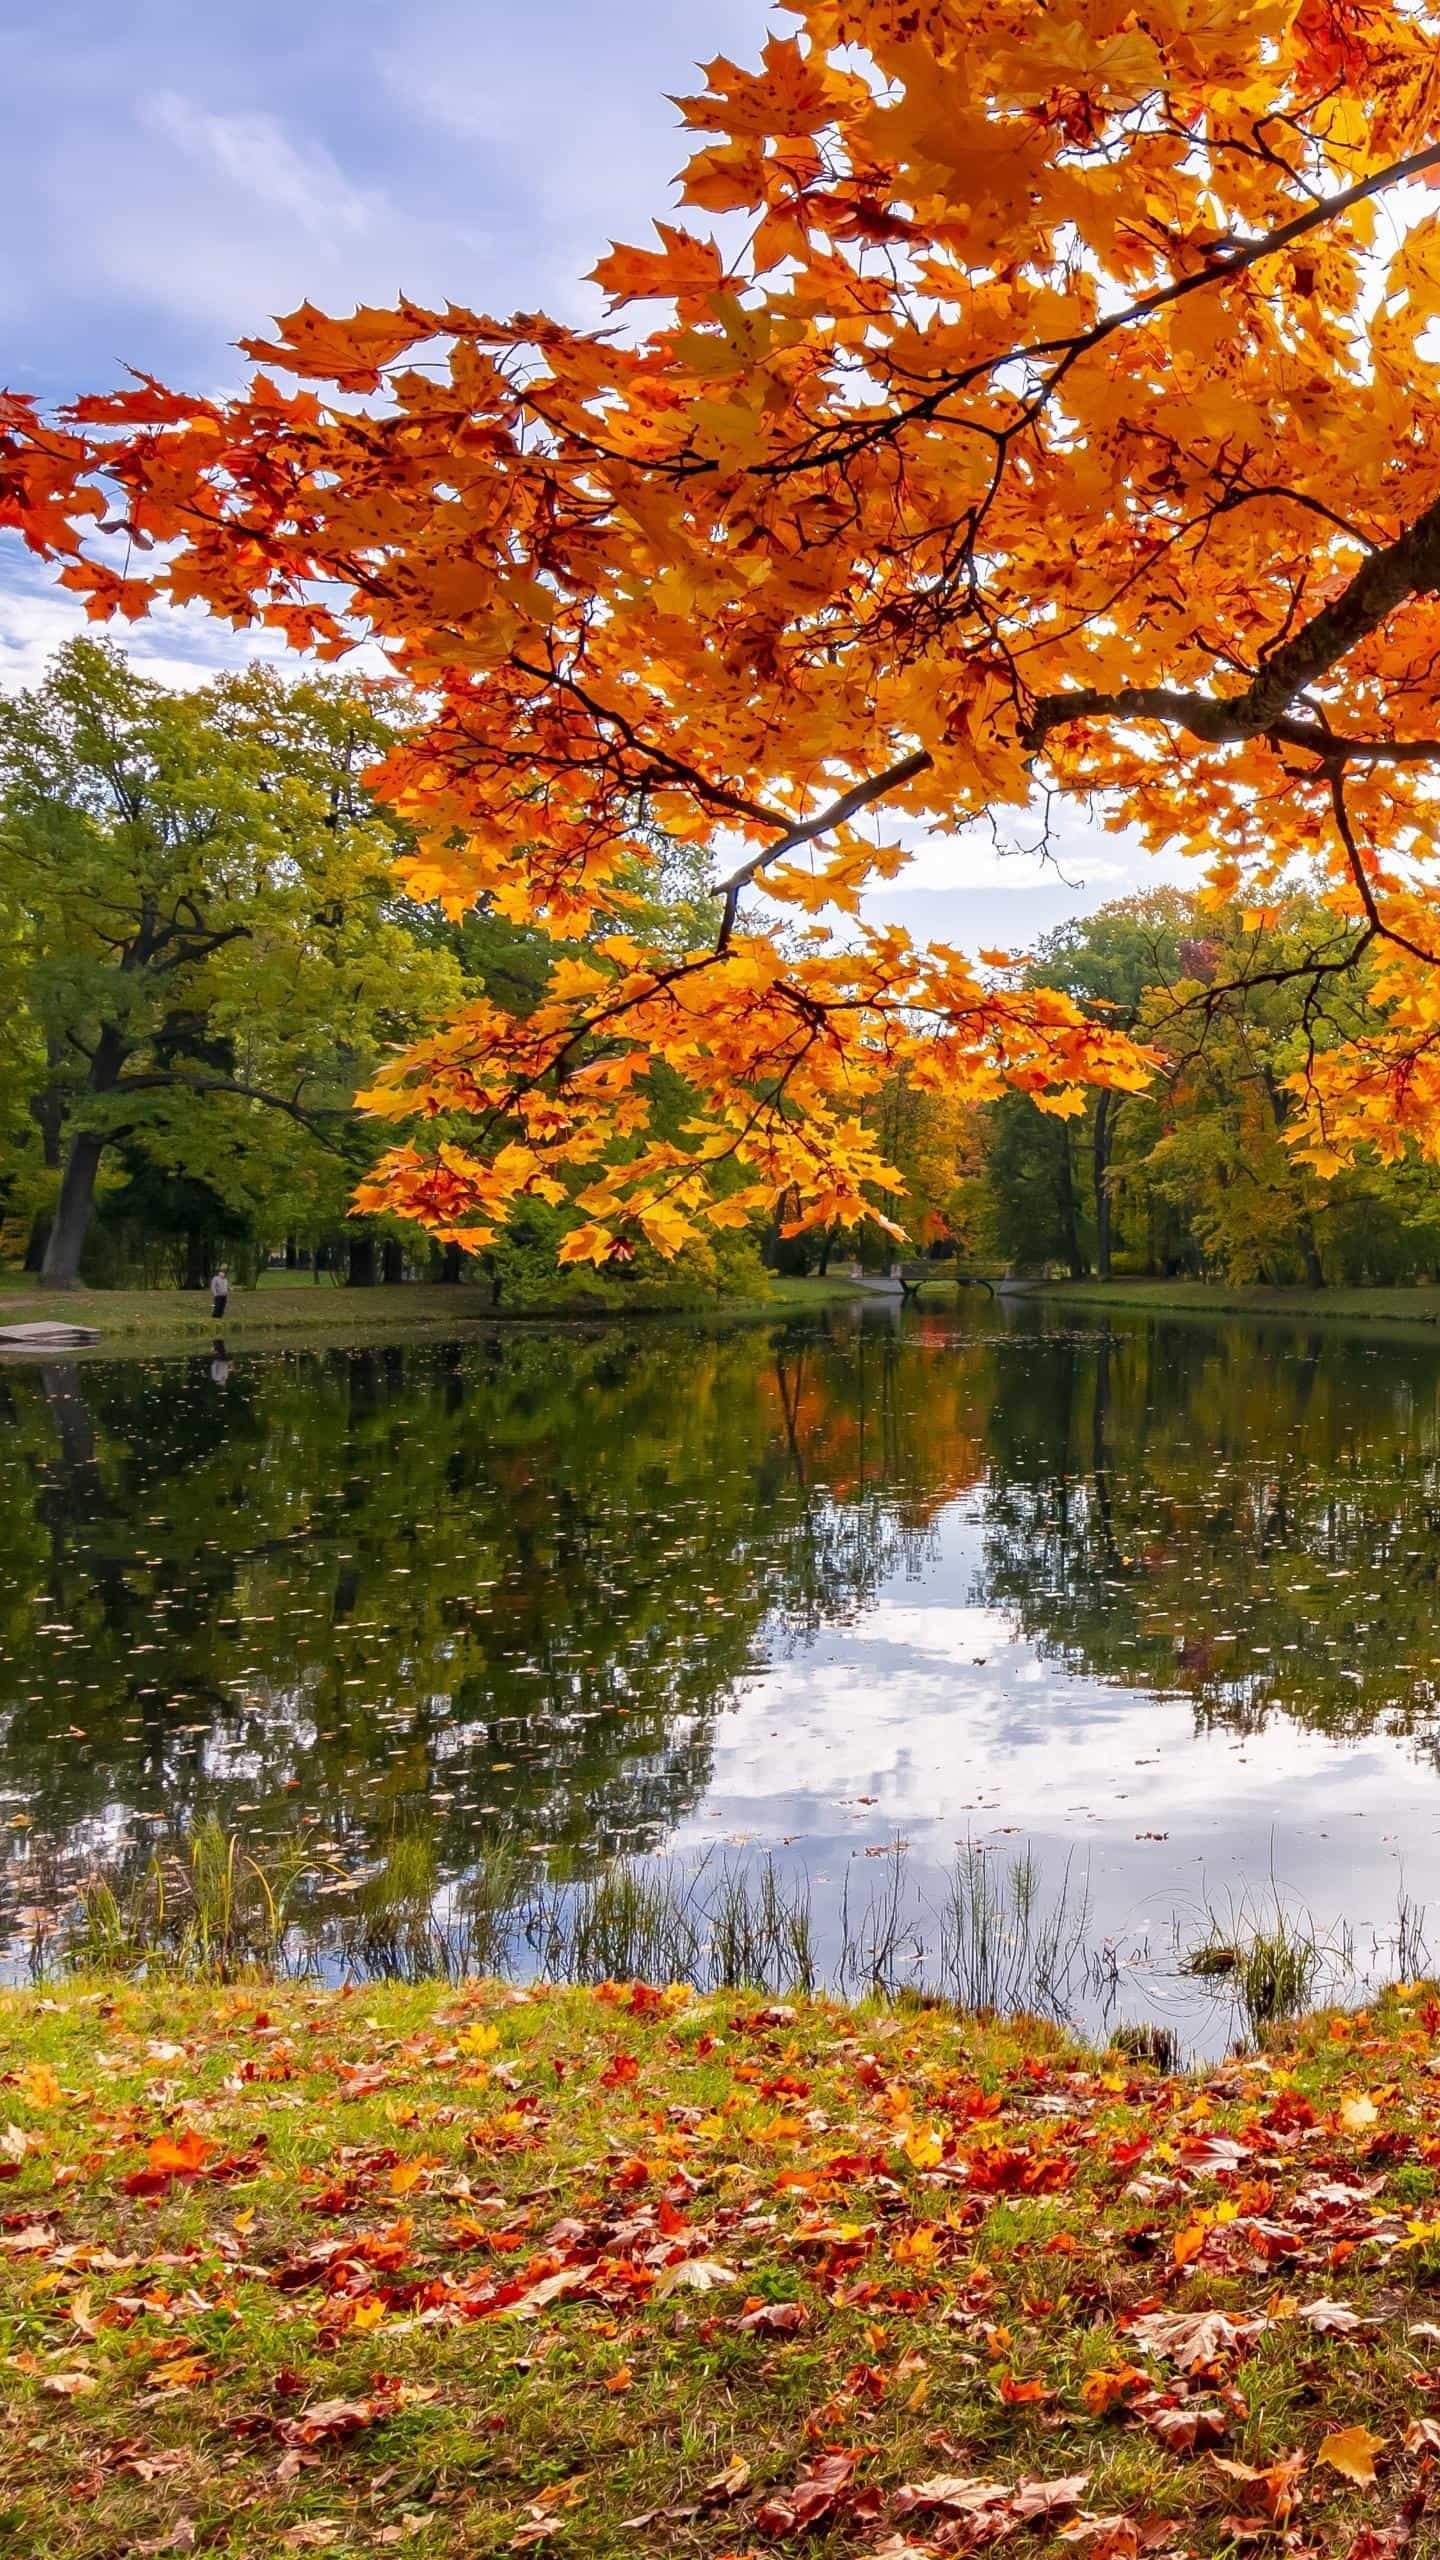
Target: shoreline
<point x="1405" y="1306"/>
<point x="305" y="1317"/>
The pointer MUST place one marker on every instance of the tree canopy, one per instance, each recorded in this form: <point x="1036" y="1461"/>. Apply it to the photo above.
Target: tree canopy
<point x="199" y="937"/>
<point x="1029" y="402"/>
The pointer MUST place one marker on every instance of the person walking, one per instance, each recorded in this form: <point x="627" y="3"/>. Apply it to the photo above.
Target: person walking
<point x="219" y="1292"/>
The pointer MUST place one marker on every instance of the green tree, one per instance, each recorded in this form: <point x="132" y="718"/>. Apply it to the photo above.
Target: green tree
<point x="1108" y="962"/>
<point x="210" y="938"/>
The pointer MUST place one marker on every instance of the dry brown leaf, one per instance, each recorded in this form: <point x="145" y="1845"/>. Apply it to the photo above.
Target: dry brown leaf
<point x="694" y="2275"/>
<point x="1192" y="2339"/>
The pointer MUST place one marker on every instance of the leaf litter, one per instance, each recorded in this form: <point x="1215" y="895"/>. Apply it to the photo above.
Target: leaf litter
<point x="636" y="2269"/>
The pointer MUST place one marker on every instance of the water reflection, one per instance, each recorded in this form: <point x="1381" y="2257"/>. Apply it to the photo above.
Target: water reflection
<point x="1166" y="1592"/>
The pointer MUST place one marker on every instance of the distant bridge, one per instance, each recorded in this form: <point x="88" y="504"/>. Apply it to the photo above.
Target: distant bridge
<point x="907" y="1279"/>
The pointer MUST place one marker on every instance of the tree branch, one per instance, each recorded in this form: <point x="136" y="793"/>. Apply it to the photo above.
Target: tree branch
<point x="296" y="1111"/>
<point x="859" y="796"/>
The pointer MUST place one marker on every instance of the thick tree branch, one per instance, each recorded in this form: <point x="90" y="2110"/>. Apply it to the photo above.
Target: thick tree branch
<point x="1408" y="566"/>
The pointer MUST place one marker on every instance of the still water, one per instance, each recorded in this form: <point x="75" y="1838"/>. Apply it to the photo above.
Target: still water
<point x="1156" y="1600"/>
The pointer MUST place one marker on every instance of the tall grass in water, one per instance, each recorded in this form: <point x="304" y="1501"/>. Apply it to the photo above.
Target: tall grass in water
<point x="723" y="1924"/>
<point x="882" y="1938"/>
<point x="760" y="1929"/>
<point x="1002" y="1944"/>
<point x="203" y="1904"/>
<point x="1271" y="1958"/>
<point x="995" y="1939"/>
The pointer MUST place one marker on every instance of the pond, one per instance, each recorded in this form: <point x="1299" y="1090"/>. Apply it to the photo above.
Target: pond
<point x="1145" y="1609"/>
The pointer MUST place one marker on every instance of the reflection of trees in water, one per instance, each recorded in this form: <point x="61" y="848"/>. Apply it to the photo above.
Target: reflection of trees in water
<point x="510" y="1582"/>
<point x="1250" y="1520"/>
<point x="515" y="1582"/>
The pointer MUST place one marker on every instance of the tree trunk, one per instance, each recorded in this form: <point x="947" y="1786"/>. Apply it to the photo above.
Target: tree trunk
<point x="392" y="1263"/>
<point x="47" y="1110"/>
<point x="1069" y="1221"/>
<point x="451" y="1264"/>
<point x="66" y="1240"/>
<point x="1104" y="1139"/>
<point x="1304" y="1224"/>
<point x="360" y="1262"/>
<point x="292" y="1255"/>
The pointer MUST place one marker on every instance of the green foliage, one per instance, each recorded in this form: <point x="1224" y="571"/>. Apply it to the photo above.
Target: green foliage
<point x="1197" y="1174"/>
<point x="201" y="950"/>
<point x="521" y="1273"/>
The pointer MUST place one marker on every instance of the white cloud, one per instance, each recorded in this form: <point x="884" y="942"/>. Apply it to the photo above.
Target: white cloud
<point x="180" y="647"/>
<point x="254" y="155"/>
<point x="227" y="218"/>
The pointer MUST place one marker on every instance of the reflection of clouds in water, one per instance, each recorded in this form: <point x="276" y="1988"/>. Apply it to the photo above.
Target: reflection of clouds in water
<point x="894" y="1725"/>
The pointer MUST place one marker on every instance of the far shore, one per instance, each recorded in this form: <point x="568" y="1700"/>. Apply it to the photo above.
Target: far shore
<point x="1417" y="1303"/>
<point x="291" y="1310"/>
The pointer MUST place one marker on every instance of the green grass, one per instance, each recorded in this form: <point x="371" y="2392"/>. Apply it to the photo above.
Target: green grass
<point x="292" y="1308"/>
<point x="1417" y="1304"/>
<point x="620" y="2271"/>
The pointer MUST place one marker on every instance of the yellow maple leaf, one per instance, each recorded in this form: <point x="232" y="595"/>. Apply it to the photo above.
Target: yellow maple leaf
<point x="1352" y="2453"/>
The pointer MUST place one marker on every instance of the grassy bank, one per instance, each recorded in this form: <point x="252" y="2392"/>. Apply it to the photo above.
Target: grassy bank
<point x="1413" y="1305"/>
<point x="301" y="1313"/>
<point x="619" y="2271"/>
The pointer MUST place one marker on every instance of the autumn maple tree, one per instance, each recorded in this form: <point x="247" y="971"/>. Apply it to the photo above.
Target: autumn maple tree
<point x="1025" y="402"/>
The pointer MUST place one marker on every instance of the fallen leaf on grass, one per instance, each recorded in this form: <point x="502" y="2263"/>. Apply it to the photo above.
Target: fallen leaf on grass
<point x="813" y="2497"/>
<point x="774" y="2319"/>
<point x="1357" y="2114"/>
<point x="695" y="2275"/>
<point x="953" y="2494"/>
<point x="69" y="2386"/>
<point x="328" y="2422"/>
<point x="1330" y="2317"/>
<point x="1119" y="2537"/>
<point x="1192" y="2339"/>
<point x="1020" y="2395"/>
<point x="1270" y="2491"/>
<point x="29" y="2242"/>
<point x="1109" y="2386"/>
<point x="167" y="2158"/>
<point x="1352" y="2453"/>
<point x="182" y="2373"/>
<point x="1190" y="2430"/>
<point x="730" y="2483"/>
<point x="551" y="2289"/>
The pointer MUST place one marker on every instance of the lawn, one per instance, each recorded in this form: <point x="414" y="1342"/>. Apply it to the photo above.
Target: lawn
<point x="471" y="2270"/>
<point x="1417" y="1304"/>
<point x="290" y="1308"/>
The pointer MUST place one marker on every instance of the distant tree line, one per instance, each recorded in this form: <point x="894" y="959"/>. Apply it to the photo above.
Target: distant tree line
<point x="1195" y="1175"/>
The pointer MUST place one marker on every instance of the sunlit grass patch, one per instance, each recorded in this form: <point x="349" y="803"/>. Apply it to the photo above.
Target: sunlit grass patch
<point x="638" y="2269"/>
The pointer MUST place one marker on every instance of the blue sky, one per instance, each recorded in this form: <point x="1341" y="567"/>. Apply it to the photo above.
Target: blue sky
<point x="181" y="170"/>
